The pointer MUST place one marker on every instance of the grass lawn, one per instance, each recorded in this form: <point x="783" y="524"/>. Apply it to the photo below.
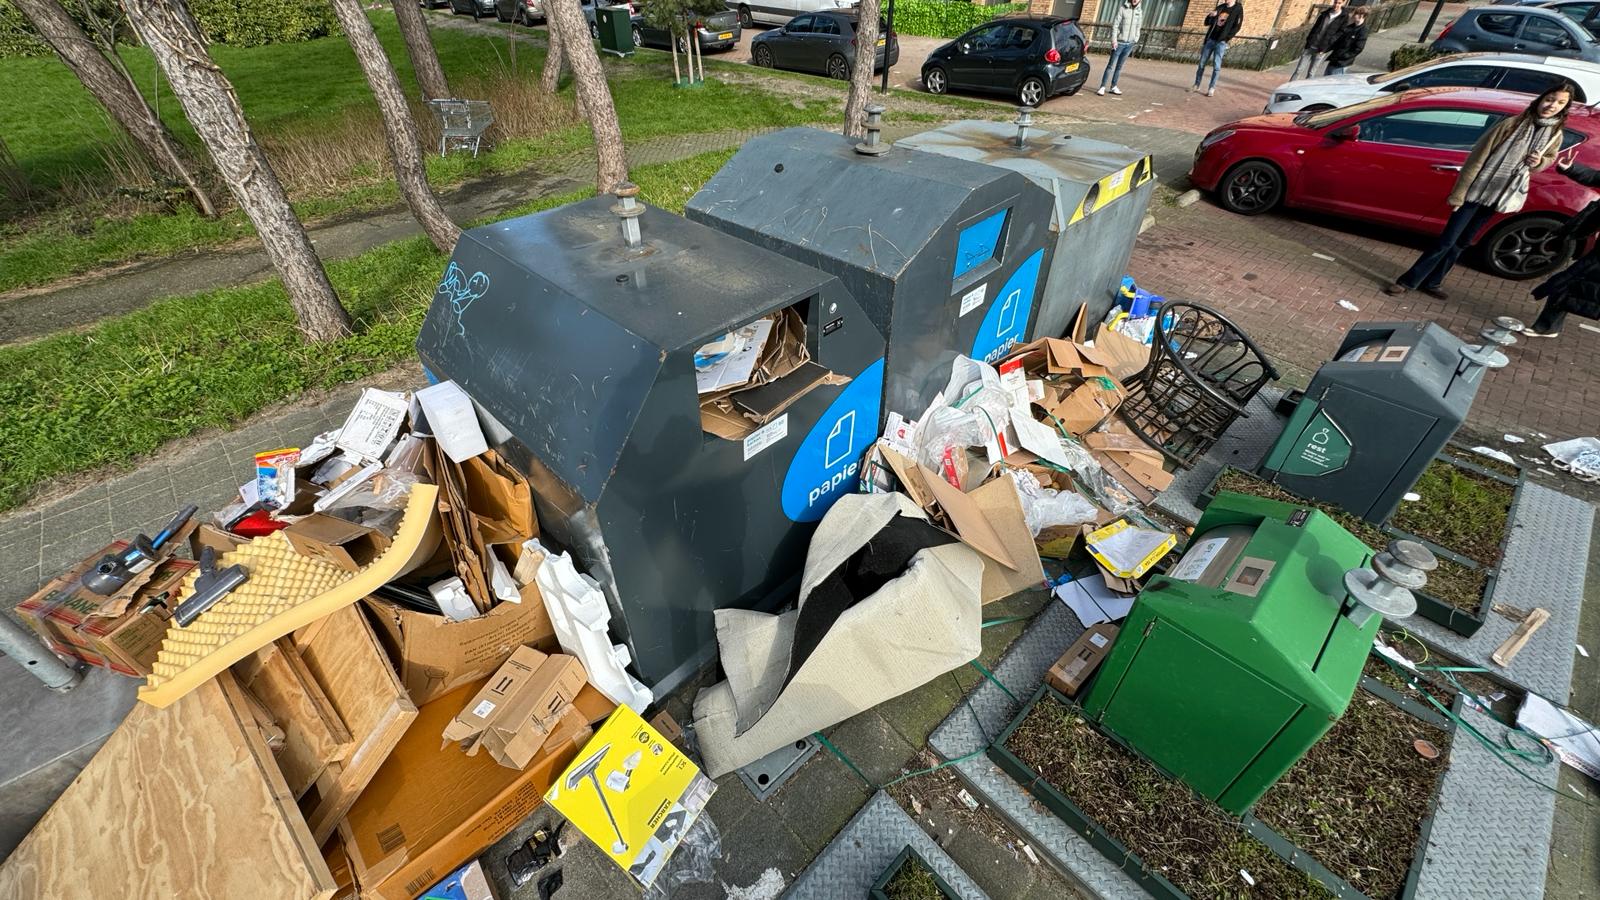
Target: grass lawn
<point x="120" y="390"/>
<point x="54" y="128"/>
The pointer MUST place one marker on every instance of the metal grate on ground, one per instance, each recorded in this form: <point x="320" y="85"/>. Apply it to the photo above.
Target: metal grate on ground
<point x="851" y="864"/>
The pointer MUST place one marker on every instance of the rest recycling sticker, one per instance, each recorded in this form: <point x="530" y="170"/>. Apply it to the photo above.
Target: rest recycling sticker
<point x="633" y="793"/>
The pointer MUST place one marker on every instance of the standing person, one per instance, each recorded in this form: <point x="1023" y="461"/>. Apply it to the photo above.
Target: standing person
<point x="1124" y="35"/>
<point x="1320" y="39"/>
<point x="1221" y="25"/>
<point x="1493" y="179"/>
<point x="1348" y="42"/>
<point x="1575" y="289"/>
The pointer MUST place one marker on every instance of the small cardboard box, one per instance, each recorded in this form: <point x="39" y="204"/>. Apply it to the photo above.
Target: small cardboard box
<point x="1081" y="659"/>
<point x="521" y="705"/>
<point x="435" y="655"/>
<point x="338" y="542"/>
<point x="427" y="811"/>
<point x="633" y="793"/>
<point x="122" y="632"/>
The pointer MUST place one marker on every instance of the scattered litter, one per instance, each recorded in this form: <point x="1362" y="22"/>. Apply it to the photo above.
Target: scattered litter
<point x="1497" y="696"/>
<point x="967" y="799"/>
<point x="1582" y="651"/>
<point x="1350" y="306"/>
<point x="1575" y="790"/>
<point x="1028" y="852"/>
<point x="916" y="806"/>
<point x="1323" y="256"/>
<point x="1513" y="439"/>
<point x="1492" y="453"/>
<point x="1574" y="740"/>
<point x="767" y="887"/>
<point x="1247" y="878"/>
<point x="1579" y="457"/>
<point x="1425" y="749"/>
<point x="1411" y="497"/>
<point x="1587" y="327"/>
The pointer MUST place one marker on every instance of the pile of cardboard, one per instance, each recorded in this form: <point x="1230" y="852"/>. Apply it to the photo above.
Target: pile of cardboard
<point x="750" y="376"/>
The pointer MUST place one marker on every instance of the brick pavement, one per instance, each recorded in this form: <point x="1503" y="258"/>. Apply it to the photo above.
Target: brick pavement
<point x="1262" y="272"/>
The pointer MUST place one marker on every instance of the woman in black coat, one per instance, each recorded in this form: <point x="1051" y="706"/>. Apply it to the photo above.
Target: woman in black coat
<point x="1575" y="289"/>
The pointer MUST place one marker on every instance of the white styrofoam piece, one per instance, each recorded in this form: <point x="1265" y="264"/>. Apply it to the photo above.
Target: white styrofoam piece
<point x="452" y="421"/>
<point x="578" y="610"/>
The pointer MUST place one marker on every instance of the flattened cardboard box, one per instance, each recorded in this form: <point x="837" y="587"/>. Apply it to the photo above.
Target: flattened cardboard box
<point x="427" y="811"/>
<point x="335" y="541"/>
<point x="122" y="632"/>
<point x="435" y="655"/>
<point x="518" y="709"/>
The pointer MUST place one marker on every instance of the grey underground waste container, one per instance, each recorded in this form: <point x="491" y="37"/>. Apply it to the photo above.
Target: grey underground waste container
<point x="580" y="352"/>
<point x="1101" y="192"/>
<point x="945" y="255"/>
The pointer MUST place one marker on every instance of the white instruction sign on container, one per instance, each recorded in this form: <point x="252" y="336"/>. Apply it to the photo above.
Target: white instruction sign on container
<point x="973" y="298"/>
<point x="766" y="436"/>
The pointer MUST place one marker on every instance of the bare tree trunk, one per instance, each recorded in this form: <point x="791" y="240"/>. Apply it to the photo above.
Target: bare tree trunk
<point x="419" y="46"/>
<point x="594" y="97"/>
<point x="855" y="105"/>
<point x="550" y="78"/>
<point x="167" y="28"/>
<point x="405" y="148"/>
<point x="115" y="91"/>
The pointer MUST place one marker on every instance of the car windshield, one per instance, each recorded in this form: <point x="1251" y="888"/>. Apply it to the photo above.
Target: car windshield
<point x="1329" y="116"/>
<point x="1408" y="71"/>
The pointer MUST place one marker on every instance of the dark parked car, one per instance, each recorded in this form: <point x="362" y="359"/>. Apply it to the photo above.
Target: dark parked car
<point x="823" y="42"/>
<point x="526" y="12"/>
<point x="717" y="31"/>
<point x="474" y="8"/>
<point x="1518" y="29"/>
<point x="1029" y="59"/>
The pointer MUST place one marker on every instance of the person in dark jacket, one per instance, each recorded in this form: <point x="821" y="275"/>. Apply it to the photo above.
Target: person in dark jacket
<point x="1348" y="42"/>
<point x="1575" y="289"/>
<point x="1221" y="26"/>
<point x="1323" y="31"/>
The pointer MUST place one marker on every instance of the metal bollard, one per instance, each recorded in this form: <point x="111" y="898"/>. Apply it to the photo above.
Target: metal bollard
<point x="20" y="644"/>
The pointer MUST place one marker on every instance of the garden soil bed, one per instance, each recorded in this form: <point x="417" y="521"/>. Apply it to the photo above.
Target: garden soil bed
<point x="1459" y="510"/>
<point x="913" y="881"/>
<point x="1184" y="838"/>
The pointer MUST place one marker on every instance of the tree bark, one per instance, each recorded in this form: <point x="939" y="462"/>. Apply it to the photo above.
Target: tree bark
<point x="594" y="96"/>
<point x="405" y="148"/>
<point x="855" y="105"/>
<point x="419" y="46"/>
<point x="167" y="28"/>
<point x="121" y="98"/>
<point x="550" y="78"/>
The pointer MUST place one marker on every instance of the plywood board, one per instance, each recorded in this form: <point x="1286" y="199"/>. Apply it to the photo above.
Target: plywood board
<point x="183" y="802"/>
<point x="314" y="733"/>
<point x="344" y="656"/>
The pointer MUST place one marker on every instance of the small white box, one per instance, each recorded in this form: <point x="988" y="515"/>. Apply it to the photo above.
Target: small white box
<point x="452" y="420"/>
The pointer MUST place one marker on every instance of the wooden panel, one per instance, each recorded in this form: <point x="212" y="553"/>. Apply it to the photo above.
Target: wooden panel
<point x="184" y="802"/>
<point x="314" y="734"/>
<point x="344" y="656"/>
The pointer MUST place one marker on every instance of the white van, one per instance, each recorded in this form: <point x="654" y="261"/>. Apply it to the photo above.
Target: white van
<point x="777" y="12"/>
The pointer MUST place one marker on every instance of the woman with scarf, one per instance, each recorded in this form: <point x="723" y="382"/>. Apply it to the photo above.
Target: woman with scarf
<point x="1493" y="180"/>
<point x="1575" y="289"/>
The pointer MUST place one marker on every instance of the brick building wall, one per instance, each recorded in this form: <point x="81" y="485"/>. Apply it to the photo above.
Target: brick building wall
<point x="1259" y="15"/>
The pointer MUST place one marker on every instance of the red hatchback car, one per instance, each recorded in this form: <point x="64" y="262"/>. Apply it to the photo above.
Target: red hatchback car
<point x="1393" y="160"/>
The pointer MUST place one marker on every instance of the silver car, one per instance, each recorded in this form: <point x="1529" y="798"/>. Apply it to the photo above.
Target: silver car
<point x="1503" y="71"/>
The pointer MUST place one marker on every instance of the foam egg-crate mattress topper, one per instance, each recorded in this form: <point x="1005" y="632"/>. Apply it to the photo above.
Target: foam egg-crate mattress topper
<point x="285" y="591"/>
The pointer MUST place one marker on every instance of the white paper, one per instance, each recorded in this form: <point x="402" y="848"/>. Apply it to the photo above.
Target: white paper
<point x="372" y="424"/>
<point x="1576" y="741"/>
<point x="737" y="367"/>
<point x="1493" y="454"/>
<point x="346" y="487"/>
<point x="1127" y="549"/>
<point x="766" y="436"/>
<point x="900" y="434"/>
<point x="1513" y="439"/>
<point x="250" y="492"/>
<point x="1038" y="438"/>
<point x="1092" y="602"/>
<point x="452" y="421"/>
<point x="1350" y="306"/>
<point x="973" y="299"/>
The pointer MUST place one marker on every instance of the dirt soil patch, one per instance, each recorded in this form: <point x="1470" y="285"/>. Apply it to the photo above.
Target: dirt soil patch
<point x="1356" y="801"/>
<point x="1459" y="510"/>
<point x="1510" y="470"/>
<point x="1187" y="839"/>
<point x="1460" y="586"/>
<point x="913" y="882"/>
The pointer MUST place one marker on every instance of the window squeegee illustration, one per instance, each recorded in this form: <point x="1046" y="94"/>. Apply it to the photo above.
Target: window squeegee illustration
<point x="588" y="769"/>
<point x="841" y="440"/>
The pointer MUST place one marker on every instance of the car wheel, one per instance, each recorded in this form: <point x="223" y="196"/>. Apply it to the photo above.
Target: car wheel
<point x="683" y="45"/>
<point x="935" y="80"/>
<point x="594" y="30"/>
<point x="638" y="37"/>
<point x="838" y="69"/>
<point x="762" y="57"/>
<point x="1251" y="188"/>
<point x="745" y="19"/>
<point x="1524" y="248"/>
<point x="1031" y="91"/>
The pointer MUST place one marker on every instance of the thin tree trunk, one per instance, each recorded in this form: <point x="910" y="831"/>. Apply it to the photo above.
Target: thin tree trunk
<point x="550" y="78"/>
<point x="115" y="91"/>
<point x="594" y="97"/>
<point x="855" y="105"/>
<point x="419" y="46"/>
<point x="167" y="28"/>
<point x="405" y="148"/>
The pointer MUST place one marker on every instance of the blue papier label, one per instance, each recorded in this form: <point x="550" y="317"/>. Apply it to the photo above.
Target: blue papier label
<point x="824" y="468"/>
<point x="1006" y="323"/>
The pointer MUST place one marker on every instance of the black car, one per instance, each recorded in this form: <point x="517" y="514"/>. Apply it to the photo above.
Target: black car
<point x="474" y="8"/>
<point x="1518" y="29"/>
<point x="822" y="42"/>
<point x="1029" y="59"/>
<point x="525" y="12"/>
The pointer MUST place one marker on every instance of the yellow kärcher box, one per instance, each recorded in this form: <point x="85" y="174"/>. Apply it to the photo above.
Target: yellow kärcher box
<point x="633" y="793"/>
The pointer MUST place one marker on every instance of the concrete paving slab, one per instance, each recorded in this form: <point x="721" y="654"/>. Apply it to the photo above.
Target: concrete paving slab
<point x="853" y="862"/>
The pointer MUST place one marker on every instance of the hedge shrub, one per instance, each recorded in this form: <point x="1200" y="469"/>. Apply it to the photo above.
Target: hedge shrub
<point x="242" y="23"/>
<point x="1410" y="55"/>
<point x="947" y="18"/>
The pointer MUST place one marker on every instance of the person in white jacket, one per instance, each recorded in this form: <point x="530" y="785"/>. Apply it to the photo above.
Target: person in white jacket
<point x="1124" y="36"/>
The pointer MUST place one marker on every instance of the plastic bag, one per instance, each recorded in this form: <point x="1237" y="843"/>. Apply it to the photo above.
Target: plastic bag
<point x="1100" y="487"/>
<point x="379" y="502"/>
<point x="972" y="411"/>
<point x="1043" y="507"/>
<point x="694" y="860"/>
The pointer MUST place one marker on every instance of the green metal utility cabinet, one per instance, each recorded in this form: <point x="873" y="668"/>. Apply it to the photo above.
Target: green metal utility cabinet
<point x="1231" y="666"/>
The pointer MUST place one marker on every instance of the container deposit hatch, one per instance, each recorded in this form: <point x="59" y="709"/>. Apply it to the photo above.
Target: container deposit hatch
<point x="686" y="405"/>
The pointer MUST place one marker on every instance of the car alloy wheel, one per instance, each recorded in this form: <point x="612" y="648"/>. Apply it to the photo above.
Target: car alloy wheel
<point x="594" y="30"/>
<point x="745" y="19"/>
<point x="638" y="37"/>
<point x="1251" y="188"/>
<point x="1030" y="92"/>
<point x="838" y="68"/>
<point x="1525" y="248"/>
<point x="934" y="81"/>
<point x="763" y="57"/>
